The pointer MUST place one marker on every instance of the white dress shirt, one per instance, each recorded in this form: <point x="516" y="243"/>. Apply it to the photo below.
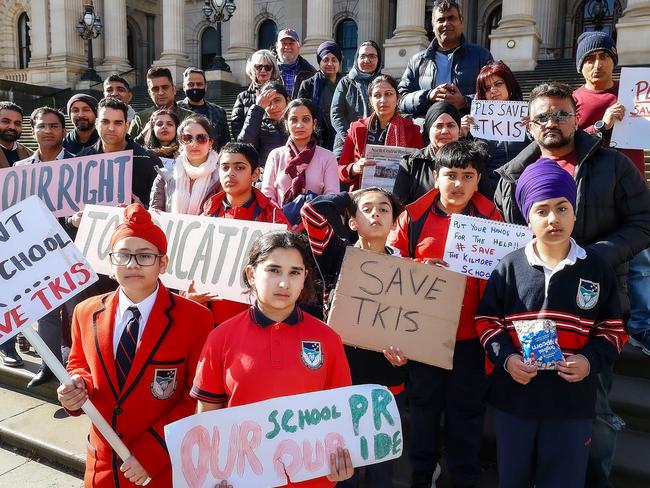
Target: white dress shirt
<point x="123" y="315"/>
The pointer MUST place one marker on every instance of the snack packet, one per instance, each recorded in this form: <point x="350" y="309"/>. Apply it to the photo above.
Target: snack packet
<point x="539" y="344"/>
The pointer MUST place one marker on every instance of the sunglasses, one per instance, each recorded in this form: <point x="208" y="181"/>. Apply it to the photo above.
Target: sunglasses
<point x="560" y="117"/>
<point x="263" y="67"/>
<point x="199" y="139"/>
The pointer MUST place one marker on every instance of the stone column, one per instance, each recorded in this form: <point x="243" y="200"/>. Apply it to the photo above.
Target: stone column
<point x="173" y="54"/>
<point x="319" y="27"/>
<point x="633" y="42"/>
<point x="241" y="44"/>
<point x="369" y="27"/>
<point x="547" y="18"/>
<point x="516" y="40"/>
<point x="39" y="20"/>
<point x="115" y="35"/>
<point x="409" y="36"/>
<point x="67" y="60"/>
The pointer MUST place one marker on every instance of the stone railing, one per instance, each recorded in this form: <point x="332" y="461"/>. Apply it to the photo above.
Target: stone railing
<point x="14" y="75"/>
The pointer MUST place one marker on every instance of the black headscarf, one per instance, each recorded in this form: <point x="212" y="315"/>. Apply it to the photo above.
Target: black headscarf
<point x="436" y="110"/>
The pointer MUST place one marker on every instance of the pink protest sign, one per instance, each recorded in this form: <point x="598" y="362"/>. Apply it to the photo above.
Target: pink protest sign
<point x="262" y="443"/>
<point x="68" y="185"/>
<point x="40" y="267"/>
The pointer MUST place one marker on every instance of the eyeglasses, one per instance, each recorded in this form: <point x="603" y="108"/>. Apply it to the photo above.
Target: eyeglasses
<point x="141" y="258"/>
<point x="560" y="117"/>
<point x="368" y="57"/>
<point x="189" y="139"/>
<point x="264" y="67"/>
<point x="52" y="126"/>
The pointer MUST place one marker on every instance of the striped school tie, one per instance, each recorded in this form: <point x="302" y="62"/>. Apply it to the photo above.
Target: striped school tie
<point x="127" y="345"/>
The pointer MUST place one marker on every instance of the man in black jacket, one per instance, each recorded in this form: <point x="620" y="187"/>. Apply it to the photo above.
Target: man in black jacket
<point x="612" y="220"/>
<point x="293" y="67"/>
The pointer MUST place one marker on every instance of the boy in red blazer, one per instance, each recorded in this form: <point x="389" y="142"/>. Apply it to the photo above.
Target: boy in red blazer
<point x="134" y="355"/>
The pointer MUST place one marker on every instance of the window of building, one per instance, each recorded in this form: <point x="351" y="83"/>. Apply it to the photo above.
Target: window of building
<point x="346" y="38"/>
<point x="597" y="15"/>
<point x="24" y="53"/>
<point x="491" y="24"/>
<point x="208" y="47"/>
<point x="266" y="35"/>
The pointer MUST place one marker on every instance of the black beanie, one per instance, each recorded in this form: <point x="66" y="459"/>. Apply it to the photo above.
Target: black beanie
<point x="436" y="110"/>
<point x="593" y="41"/>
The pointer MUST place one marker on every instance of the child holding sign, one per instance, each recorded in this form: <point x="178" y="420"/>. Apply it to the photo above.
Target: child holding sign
<point x="543" y="419"/>
<point x="274" y="349"/>
<point x="134" y="352"/>
<point x="460" y="393"/>
<point x="373" y="212"/>
<point x="238" y="171"/>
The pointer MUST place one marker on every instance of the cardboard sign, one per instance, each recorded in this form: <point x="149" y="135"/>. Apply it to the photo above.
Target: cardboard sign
<point x="475" y="246"/>
<point x="383" y="301"/>
<point x="383" y="165"/>
<point x="262" y="443"/>
<point x="210" y="251"/>
<point x="634" y="93"/>
<point x="67" y="185"/>
<point x="40" y="267"/>
<point x="496" y="120"/>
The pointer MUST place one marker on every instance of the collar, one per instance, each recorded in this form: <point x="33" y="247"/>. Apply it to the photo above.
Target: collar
<point x="250" y="201"/>
<point x="257" y="317"/>
<point x="13" y="147"/>
<point x="37" y="155"/>
<point x="575" y="252"/>
<point x="145" y="306"/>
<point x="468" y="210"/>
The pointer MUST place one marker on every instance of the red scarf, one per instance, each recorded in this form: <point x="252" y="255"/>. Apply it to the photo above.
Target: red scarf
<point x="296" y="168"/>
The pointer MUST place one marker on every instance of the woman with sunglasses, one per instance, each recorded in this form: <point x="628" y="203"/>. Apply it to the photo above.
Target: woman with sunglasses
<point x="162" y="139"/>
<point x="496" y="82"/>
<point x="350" y="101"/>
<point x="260" y="68"/>
<point x="320" y="89"/>
<point x="183" y="185"/>
<point x="263" y="124"/>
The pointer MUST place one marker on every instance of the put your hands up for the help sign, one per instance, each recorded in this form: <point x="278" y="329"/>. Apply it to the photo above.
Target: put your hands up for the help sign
<point x="634" y="94"/>
<point x="496" y="120"/>
<point x="475" y="246"/>
<point x="40" y="267"/>
<point x="262" y="443"/>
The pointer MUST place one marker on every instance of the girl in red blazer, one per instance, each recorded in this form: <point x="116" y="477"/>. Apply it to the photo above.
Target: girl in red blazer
<point x="384" y="127"/>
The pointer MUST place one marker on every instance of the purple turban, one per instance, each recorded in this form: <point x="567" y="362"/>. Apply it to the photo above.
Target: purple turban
<point x="542" y="180"/>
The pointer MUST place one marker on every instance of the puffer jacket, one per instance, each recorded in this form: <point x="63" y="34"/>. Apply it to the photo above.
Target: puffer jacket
<point x="262" y="132"/>
<point x="420" y="75"/>
<point x="349" y="104"/>
<point x="245" y="100"/>
<point x="612" y="208"/>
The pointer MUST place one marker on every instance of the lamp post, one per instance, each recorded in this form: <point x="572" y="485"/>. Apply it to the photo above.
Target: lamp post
<point x="218" y="11"/>
<point x="89" y="27"/>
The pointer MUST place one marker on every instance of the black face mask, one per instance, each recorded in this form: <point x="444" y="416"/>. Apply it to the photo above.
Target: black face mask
<point x="195" y="94"/>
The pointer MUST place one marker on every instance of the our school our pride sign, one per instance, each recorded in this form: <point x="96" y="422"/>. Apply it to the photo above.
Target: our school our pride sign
<point x="40" y="267"/>
<point x="211" y="251"/>
<point x="67" y="185"/>
<point x="261" y="444"/>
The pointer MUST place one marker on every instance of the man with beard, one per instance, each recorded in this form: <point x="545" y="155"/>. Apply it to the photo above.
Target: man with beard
<point x="82" y="110"/>
<point x="612" y="219"/>
<point x="11" y="126"/>
<point x="194" y="86"/>
<point x="293" y="67"/>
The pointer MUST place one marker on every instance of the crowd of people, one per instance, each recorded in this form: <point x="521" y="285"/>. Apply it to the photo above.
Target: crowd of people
<point x="294" y="153"/>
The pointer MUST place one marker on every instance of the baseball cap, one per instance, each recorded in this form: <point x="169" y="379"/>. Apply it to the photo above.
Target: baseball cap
<point x="284" y="33"/>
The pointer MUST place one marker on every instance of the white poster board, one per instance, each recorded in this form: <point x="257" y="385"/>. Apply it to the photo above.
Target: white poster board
<point x="257" y="445"/>
<point x="497" y="120"/>
<point x="383" y="165"/>
<point x="475" y="246"/>
<point x="211" y="251"/>
<point x="634" y="93"/>
<point x="40" y="267"/>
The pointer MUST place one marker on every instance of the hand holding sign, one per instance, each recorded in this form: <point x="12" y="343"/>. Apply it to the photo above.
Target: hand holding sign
<point x="498" y="120"/>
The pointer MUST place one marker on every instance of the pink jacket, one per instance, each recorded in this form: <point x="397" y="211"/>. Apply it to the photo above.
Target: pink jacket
<point x="321" y="176"/>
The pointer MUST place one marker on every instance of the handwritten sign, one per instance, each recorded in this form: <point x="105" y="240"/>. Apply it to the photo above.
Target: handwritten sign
<point x="262" y="443"/>
<point x="67" y="185"/>
<point x="383" y="165"/>
<point x="475" y="246"/>
<point x="210" y="251"/>
<point x="496" y="120"/>
<point x="40" y="267"/>
<point x="383" y="301"/>
<point x="634" y="94"/>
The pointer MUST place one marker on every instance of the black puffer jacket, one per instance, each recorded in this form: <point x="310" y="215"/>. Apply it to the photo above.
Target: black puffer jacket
<point x="245" y="100"/>
<point x="262" y="132"/>
<point x="612" y="208"/>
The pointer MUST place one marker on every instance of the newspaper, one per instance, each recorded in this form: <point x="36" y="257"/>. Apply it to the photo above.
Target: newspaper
<point x="383" y="165"/>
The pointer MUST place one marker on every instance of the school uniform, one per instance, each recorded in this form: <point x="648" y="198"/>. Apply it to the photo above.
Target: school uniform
<point x="299" y="355"/>
<point x="156" y="390"/>
<point x="544" y="428"/>
<point x="459" y="393"/>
